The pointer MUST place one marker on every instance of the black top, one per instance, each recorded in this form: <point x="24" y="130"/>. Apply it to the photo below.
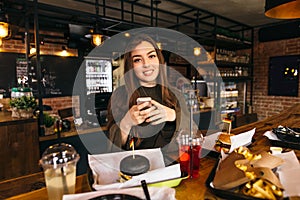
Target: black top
<point x="154" y="136"/>
<point x="147" y="136"/>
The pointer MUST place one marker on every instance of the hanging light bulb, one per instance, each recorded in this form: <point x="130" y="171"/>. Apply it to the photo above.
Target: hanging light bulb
<point x="159" y="45"/>
<point x="96" y="36"/>
<point x="97" y="39"/>
<point x="4" y="29"/>
<point x="4" y="26"/>
<point x="197" y="51"/>
<point x="32" y="49"/>
<point x="282" y="9"/>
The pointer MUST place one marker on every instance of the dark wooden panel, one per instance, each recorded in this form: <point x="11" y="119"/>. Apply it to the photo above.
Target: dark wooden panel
<point x="19" y="153"/>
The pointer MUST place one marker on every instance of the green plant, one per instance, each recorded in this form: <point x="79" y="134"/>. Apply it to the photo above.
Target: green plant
<point x="23" y="102"/>
<point x="48" y="120"/>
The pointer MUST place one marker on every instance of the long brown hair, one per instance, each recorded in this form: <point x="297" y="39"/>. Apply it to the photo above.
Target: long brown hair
<point x="132" y="82"/>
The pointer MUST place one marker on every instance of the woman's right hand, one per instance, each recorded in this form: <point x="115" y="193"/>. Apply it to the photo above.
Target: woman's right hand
<point x="135" y="115"/>
<point x="132" y="118"/>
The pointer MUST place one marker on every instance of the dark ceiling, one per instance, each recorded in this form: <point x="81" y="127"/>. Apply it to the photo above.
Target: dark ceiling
<point x="70" y="20"/>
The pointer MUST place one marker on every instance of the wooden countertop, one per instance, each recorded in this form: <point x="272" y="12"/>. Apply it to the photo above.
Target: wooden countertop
<point x="84" y="129"/>
<point x="6" y="119"/>
<point x="190" y="188"/>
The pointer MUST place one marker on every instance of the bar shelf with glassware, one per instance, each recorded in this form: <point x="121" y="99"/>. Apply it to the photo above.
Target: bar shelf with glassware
<point x="98" y="75"/>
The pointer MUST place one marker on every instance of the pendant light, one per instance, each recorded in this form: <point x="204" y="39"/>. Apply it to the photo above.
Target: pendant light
<point x="158" y="43"/>
<point x="4" y="25"/>
<point x="197" y="51"/>
<point x="282" y="9"/>
<point x="97" y="36"/>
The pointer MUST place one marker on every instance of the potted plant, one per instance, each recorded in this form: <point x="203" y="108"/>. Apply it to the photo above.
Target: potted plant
<point x="49" y="123"/>
<point x="23" y="106"/>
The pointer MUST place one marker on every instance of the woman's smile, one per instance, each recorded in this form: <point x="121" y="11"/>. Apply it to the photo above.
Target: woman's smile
<point x="145" y="64"/>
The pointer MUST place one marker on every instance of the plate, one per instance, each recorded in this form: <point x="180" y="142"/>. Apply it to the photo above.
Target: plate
<point x="166" y="183"/>
<point x="116" y="197"/>
<point x="169" y="183"/>
<point x="285" y="144"/>
<point x="227" y="194"/>
<point x="288" y="134"/>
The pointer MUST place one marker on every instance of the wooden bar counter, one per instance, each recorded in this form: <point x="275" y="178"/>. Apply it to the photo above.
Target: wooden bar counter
<point x="188" y="188"/>
<point x="19" y="142"/>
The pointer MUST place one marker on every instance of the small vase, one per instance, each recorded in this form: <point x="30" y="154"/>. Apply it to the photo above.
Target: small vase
<point x="15" y="113"/>
<point x="26" y="113"/>
<point x="49" y="130"/>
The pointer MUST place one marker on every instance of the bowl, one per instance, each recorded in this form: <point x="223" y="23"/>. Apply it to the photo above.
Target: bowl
<point x="116" y="197"/>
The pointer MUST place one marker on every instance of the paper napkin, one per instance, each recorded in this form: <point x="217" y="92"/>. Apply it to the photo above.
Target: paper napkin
<point x="106" y="168"/>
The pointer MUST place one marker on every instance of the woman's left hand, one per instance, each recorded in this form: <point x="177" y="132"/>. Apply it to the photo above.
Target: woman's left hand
<point x="159" y="113"/>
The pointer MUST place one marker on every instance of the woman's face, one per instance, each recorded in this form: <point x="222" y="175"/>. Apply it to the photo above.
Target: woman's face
<point x="145" y="64"/>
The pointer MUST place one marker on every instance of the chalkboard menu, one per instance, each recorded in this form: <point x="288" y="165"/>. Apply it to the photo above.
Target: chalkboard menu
<point x="58" y="73"/>
<point x="21" y="67"/>
<point x="8" y="71"/>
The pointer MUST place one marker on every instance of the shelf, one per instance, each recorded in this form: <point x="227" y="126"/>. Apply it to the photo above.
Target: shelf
<point x="232" y="64"/>
<point x="229" y="79"/>
<point x="236" y="79"/>
<point x="231" y="44"/>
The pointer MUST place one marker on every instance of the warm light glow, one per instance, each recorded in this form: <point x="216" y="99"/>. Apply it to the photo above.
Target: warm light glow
<point x="197" y="51"/>
<point x="3" y="29"/>
<point x="97" y="39"/>
<point x="32" y="50"/>
<point x="64" y="53"/>
<point x="0" y="41"/>
<point x="127" y="34"/>
<point x="283" y="9"/>
<point x="159" y="45"/>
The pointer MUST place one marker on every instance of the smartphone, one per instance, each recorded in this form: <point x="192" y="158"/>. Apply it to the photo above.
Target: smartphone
<point x="141" y="100"/>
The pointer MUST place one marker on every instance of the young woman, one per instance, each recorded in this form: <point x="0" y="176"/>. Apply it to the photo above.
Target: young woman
<point x="150" y="124"/>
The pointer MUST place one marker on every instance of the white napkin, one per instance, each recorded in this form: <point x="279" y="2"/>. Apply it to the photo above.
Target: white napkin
<point x="289" y="174"/>
<point x="242" y="139"/>
<point x="106" y="168"/>
<point x="271" y="135"/>
<point x="156" y="193"/>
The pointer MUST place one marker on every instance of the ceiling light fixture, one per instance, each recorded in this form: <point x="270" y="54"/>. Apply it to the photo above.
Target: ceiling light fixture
<point x="4" y="25"/>
<point x="97" y="36"/>
<point x="64" y="51"/>
<point x="197" y="51"/>
<point x="158" y="43"/>
<point x="282" y="9"/>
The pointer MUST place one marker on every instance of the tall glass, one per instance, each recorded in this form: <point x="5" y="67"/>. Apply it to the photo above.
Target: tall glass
<point x="195" y="153"/>
<point x="189" y="153"/>
<point x="59" y="164"/>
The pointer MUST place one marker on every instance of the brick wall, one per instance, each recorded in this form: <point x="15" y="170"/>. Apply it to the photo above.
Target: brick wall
<point x="263" y="104"/>
<point x="18" y="46"/>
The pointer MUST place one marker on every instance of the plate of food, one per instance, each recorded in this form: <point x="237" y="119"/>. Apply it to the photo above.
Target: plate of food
<point x="244" y="175"/>
<point x="131" y="169"/>
<point x="287" y="134"/>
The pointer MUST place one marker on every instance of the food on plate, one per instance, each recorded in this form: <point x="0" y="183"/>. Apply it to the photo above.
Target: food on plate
<point x="250" y="174"/>
<point x="132" y="166"/>
<point x="223" y="142"/>
<point x="288" y="134"/>
<point x="263" y="189"/>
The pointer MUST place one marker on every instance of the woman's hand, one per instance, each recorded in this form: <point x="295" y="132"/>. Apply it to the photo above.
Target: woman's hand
<point x="136" y="114"/>
<point x="158" y="113"/>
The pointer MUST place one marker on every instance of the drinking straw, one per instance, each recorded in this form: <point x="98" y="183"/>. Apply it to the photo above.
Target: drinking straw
<point x="191" y="135"/>
<point x="145" y="188"/>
